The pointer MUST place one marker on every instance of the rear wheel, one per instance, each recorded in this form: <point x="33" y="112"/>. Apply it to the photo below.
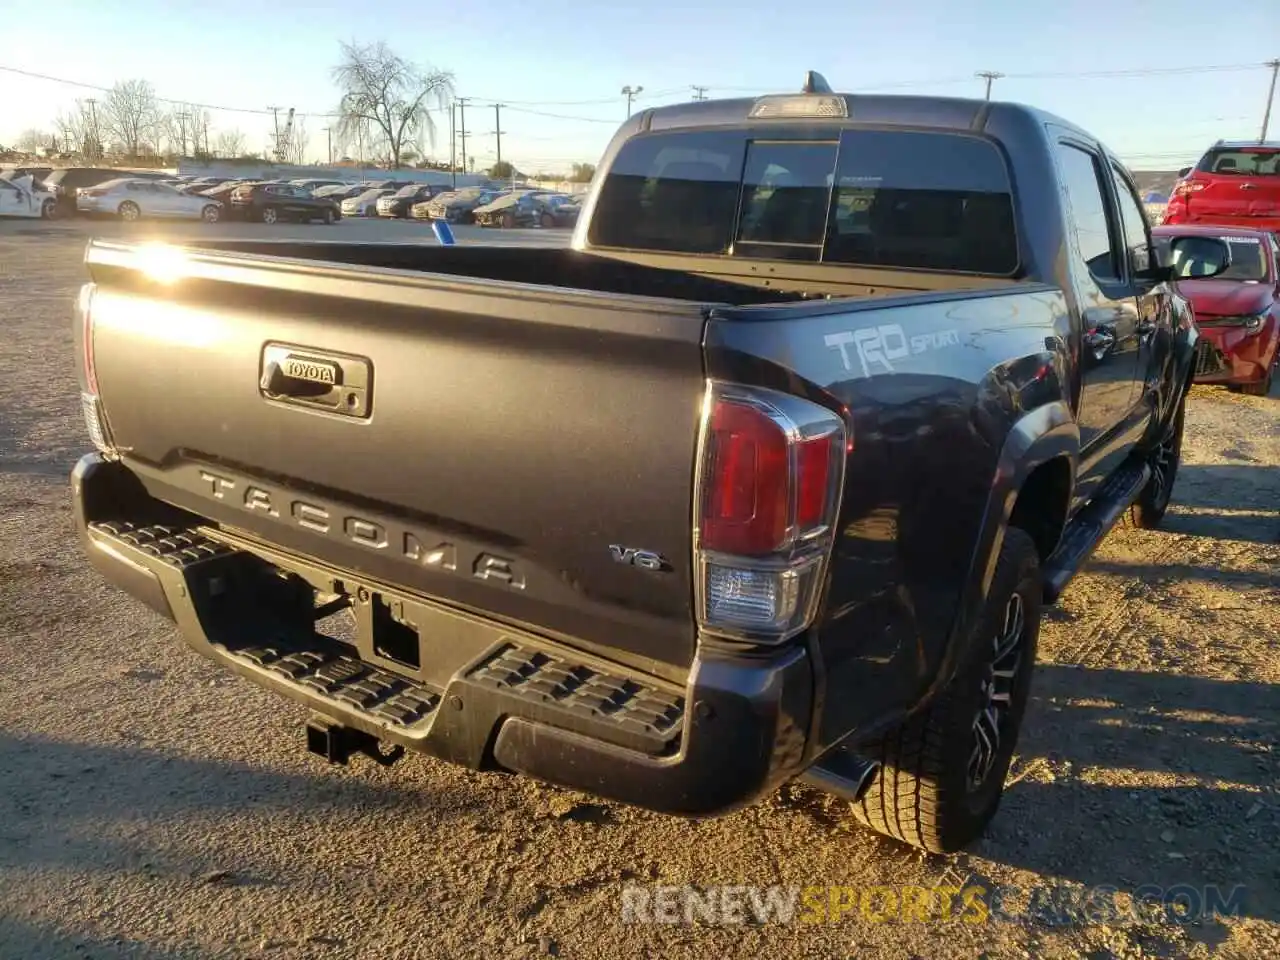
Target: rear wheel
<point x="942" y="772"/>
<point x="48" y="209"/>
<point x="129" y="211"/>
<point x="328" y="217"/>
<point x="548" y="220"/>
<point x="211" y="214"/>
<point x="270" y="215"/>
<point x="508" y="219"/>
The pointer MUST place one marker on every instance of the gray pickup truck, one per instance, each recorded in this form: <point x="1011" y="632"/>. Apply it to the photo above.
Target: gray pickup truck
<point x="766" y="477"/>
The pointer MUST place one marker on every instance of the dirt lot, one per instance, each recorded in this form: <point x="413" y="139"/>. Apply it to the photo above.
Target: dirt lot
<point x="153" y="807"/>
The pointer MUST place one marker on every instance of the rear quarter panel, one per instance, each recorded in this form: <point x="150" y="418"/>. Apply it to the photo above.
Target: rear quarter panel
<point x="934" y="389"/>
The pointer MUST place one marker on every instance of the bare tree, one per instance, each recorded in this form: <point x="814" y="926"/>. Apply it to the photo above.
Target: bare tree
<point x="230" y="144"/>
<point x="185" y="129"/>
<point x="79" y="127"/>
<point x="387" y="97"/>
<point x="33" y="140"/>
<point x="295" y="150"/>
<point x="130" y="112"/>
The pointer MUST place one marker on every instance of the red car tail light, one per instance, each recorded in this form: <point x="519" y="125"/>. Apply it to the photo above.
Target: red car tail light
<point x="1185" y="188"/>
<point x="771" y="468"/>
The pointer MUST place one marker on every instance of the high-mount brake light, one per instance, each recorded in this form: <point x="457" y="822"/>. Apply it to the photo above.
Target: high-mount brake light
<point x="799" y="105"/>
<point x="771" y="467"/>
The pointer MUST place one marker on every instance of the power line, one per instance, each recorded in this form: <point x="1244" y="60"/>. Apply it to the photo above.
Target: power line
<point x="699" y="93"/>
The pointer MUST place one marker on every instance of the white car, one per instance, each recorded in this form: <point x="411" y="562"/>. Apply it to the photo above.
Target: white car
<point x="131" y="199"/>
<point x="23" y="197"/>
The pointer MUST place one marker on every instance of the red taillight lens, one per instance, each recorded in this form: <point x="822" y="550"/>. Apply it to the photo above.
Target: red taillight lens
<point x="815" y="459"/>
<point x="771" y="470"/>
<point x="745" y="509"/>
<point x="84" y="310"/>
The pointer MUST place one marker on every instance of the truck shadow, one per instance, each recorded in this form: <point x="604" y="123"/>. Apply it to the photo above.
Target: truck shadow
<point x="36" y="941"/>
<point x="1201" y="490"/>
<point x="74" y="805"/>
<point x="1143" y="778"/>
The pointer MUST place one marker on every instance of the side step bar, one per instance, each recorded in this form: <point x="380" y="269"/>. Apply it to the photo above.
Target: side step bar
<point x="1091" y="524"/>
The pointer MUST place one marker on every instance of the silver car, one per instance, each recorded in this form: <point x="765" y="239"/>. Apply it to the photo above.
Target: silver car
<point x="366" y="204"/>
<point x="131" y="199"/>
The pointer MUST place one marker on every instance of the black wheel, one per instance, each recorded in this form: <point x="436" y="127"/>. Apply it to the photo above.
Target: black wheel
<point x="211" y="213"/>
<point x="508" y="219"/>
<point x="48" y="209"/>
<point x="270" y="215"/>
<point x="328" y="217"/>
<point x="942" y="772"/>
<point x="1150" y="507"/>
<point x="548" y="220"/>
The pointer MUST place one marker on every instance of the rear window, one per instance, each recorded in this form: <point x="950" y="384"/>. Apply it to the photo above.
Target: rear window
<point x="903" y="199"/>
<point x="1241" y="163"/>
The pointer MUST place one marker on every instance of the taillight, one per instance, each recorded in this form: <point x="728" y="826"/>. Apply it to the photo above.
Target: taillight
<point x="90" y="404"/>
<point x="771" y="469"/>
<point x="1184" y="188"/>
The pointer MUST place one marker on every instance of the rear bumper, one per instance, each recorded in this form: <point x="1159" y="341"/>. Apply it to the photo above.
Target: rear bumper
<point x="484" y="695"/>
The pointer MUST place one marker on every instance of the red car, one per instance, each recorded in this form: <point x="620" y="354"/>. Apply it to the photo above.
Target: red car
<point x="1235" y="184"/>
<point x="1238" y="311"/>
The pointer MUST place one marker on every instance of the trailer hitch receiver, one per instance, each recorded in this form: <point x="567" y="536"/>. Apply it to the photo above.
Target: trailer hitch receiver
<point x="337" y="743"/>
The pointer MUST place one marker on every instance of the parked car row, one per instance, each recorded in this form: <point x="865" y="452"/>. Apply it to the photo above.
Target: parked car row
<point x="134" y="195"/>
<point x="1233" y="193"/>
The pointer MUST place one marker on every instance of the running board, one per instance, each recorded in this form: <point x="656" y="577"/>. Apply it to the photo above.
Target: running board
<point x="1088" y="527"/>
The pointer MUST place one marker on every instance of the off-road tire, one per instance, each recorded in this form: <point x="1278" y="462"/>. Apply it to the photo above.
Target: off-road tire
<point x="1147" y="512"/>
<point x="922" y="794"/>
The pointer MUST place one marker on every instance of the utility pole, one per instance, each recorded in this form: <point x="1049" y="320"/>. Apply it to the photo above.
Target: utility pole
<point x="988" y="75"/>
<point x="94" y="144"/>
<point x="462" y="128"/>
<point x="275" y="137"/>
<point x="329" y="133"/>
<point x="630" y="93"/>
<point x="182" y="119"/>
<point x="497" y="131"/>
<point x="453" y="145"/>
<point x="699" y="93"/>
<point x="1271" y="95"/>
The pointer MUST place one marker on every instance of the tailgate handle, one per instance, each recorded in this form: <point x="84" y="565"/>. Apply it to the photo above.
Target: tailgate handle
<point x="278" y="383"/>
<point x="318" y="379"/>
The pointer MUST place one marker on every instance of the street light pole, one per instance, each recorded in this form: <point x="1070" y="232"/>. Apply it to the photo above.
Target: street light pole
<point x="630" y="93"/>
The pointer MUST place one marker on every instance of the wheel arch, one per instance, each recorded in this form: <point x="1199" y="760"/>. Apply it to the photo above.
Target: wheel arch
<point x="1038" y="459"/>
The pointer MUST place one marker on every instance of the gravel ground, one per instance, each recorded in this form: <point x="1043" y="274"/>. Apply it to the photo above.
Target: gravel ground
<point x="154" y="807"/>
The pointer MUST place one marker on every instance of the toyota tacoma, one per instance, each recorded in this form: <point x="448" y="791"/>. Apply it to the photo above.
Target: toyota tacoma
<point x="766" y="476"/>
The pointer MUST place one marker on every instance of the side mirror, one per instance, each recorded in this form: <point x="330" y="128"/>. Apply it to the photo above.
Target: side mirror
<point x="1191" y="257"/>
<point x="1183" y="172"/>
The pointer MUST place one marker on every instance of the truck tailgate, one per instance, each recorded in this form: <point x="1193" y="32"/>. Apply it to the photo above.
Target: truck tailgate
<point x="498" y="446"/>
